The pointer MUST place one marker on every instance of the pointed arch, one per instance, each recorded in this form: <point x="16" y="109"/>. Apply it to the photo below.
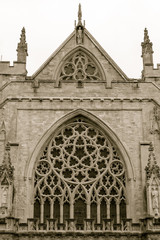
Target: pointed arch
<point x="105" y="130"/>
<point x="108" y="130"/>
<point x="90" y="68"/>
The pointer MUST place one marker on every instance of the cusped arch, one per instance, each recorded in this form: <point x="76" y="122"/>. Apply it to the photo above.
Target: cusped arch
<point x="30" y="165"/>
<point x="74" y="68"/>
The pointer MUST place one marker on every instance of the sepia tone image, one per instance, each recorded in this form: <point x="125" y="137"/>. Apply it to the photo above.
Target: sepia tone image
<point x="79" y="144"/>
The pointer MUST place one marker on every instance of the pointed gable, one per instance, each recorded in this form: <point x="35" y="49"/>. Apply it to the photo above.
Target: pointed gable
<point x="93" y="65"/>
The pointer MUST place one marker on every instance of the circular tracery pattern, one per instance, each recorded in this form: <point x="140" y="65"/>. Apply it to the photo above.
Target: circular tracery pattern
<point x="80" y="162"/>
<point x="80" y="153"/>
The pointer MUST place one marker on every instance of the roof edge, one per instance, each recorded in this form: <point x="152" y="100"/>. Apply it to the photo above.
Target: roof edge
<point x="101" y="49"/>
<point x="52" y="55"/>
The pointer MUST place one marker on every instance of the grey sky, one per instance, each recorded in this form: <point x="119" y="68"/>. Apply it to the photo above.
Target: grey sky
<point x="118" y="25"/>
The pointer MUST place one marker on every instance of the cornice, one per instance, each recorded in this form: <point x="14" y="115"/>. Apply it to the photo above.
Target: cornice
<point x="75" y="99"/>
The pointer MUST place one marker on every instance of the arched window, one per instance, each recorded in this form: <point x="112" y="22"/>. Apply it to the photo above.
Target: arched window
<point x="80" y="67"/>
<point x="80" y="174"/>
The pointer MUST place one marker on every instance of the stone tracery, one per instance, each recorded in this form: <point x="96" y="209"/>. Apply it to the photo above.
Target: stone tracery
<point x="79" y="67"/>
<point x="80" y="169"/>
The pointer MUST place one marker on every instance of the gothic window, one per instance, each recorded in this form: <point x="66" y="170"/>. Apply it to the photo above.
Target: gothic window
<point x="80" y="174"/>
<point x="79" y="67"/>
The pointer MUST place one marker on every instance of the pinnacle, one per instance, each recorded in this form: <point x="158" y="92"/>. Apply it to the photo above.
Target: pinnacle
<point x="22" y="47"/>
<point x="79" y="15"/>
<point x="152" y="167"/>
<point x="146" y="37"/>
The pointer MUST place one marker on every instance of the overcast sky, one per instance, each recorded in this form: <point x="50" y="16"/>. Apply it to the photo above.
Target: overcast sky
<point x="118" y="25"/>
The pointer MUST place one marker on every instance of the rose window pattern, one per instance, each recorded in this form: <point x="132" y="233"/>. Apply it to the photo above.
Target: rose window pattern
<point x="80" y="174"/>
<point x="80" y="67"/>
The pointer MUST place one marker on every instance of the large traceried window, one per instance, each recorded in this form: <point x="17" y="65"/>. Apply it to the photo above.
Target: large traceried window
<point x="80" y="174"/>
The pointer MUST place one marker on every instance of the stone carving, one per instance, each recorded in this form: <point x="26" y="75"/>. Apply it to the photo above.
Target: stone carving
<point x="71" y="226"/>
<point x="79" y="28"/>
<point x="155" y="201"/>
<point x="6" y="169"/>
<point x="155" y="121"/>
<point x="88" y="225"/>
<point x="6" y="183"/>
<point x="79" y="35"/>
<point x="4" y="195"/>
<point x="152" y="167"/>
<point x="153" y="184"/>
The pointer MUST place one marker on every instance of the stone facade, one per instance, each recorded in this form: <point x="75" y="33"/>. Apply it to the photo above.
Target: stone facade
<point x="116" y="145"/>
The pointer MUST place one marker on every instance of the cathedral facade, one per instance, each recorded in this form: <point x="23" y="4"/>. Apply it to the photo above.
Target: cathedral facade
<point x="80" y="145"/>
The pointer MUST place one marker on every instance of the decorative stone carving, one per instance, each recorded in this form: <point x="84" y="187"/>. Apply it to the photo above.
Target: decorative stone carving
<point x="155" y="121"/>
<point x="6" y="184"/>
<point x="4" y="194"/>
<point x="79" y="35"/>
<point x="153" y="184"/>
<point x="155" y="200"/>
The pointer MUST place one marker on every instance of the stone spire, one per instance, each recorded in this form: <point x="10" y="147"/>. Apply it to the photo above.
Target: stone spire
<point x="22" y="48"/>
<point x="79" y="15"/>
<point x="79" y="24"/>
<point x="152" y="167"/>
<point x="79" y="28"/>
<point x="147" y="52"/>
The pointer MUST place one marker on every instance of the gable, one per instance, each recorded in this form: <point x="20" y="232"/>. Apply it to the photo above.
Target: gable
<point x="96" y="65"/>
<point x="79" y="65"/>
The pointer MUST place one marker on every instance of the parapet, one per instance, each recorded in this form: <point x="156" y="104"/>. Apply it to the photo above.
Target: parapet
<point x="18" y="68"/>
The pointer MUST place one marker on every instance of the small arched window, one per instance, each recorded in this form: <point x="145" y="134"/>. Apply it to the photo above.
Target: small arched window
<point x="80" y="174"/>
<point x="80" y="67"/>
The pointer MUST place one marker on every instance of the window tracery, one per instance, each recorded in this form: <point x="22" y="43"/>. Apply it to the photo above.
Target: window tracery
<point x="79" y="171"/>
<point x="79" y="67"/>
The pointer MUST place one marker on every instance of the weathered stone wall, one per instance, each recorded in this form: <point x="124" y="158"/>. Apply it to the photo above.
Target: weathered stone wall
<point x="126" y="109"/>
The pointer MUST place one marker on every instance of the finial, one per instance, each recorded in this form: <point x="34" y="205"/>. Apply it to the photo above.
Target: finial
<point x="22" y="47"/>
<point x="79" y="15"/>
<point x="146" y="37"/>
<point x="146" y="45"/>
<point x="79" y="24"/>
<point x="79" y="28"/>
<point x="147" y="53"/>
